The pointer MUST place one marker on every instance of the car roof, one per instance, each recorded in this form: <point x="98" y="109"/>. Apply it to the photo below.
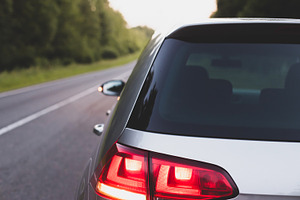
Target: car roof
<point x="267" y="30"/>
<point x="167" y="31"/>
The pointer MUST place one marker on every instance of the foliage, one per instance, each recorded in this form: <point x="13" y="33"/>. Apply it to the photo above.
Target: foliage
<point x="19" y="78"/>
<point x="142" y="32"/>
<point x="50" y="32"/>
<point x="258" y="8"/>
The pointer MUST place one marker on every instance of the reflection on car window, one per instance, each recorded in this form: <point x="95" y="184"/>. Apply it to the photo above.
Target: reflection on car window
<point x="234" y="90"/>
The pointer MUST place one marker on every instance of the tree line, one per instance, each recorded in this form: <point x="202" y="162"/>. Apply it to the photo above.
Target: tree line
<point x="258" y="8"/>
<point x="47" y="32"/>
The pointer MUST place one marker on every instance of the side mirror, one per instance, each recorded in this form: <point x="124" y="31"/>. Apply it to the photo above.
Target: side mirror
<point x="112" y="88"/>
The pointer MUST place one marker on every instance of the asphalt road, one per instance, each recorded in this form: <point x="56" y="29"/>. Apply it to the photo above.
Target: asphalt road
<point x="46" y="134"/>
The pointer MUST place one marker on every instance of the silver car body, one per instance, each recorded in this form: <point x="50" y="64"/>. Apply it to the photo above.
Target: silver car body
<point x="271" y="167"/>
<point x="261" y="169"/>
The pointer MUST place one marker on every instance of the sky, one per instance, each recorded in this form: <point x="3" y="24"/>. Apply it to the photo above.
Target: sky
<point x="159" y="14"/>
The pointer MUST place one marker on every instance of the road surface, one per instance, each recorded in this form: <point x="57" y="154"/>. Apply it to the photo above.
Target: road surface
<point x="46" y="134"/>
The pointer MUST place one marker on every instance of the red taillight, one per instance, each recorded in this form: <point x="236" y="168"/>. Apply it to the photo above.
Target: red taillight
<point x="125" y="176"/>
<point x="175" y="178"/>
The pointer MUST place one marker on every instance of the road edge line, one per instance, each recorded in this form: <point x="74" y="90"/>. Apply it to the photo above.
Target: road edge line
<point x="54" y="107"/>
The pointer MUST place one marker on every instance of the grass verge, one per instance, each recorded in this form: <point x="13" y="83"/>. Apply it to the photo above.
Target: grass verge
<point x="34" y="75"/>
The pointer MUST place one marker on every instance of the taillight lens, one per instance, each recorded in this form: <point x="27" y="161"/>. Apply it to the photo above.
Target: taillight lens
<point x="175" y="178"/>
<point x="125" y="176"/>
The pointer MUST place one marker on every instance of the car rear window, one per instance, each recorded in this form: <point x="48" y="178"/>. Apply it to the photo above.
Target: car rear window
<point x="222" y="90"/>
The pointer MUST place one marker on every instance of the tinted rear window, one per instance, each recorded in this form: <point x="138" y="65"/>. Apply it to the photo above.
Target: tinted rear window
<point x="222" y="90"/>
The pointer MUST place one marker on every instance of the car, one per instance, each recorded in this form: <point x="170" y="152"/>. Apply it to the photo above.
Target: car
<point x="210" y="111"/>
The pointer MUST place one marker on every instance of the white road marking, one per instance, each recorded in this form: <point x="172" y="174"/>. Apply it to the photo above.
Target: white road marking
<point x="53" y="107"/>
<point x="46" y="110"/>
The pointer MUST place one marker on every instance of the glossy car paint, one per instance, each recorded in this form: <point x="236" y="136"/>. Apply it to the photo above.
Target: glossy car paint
<point x="264" y="162"/>
<point x="271" y="167"/>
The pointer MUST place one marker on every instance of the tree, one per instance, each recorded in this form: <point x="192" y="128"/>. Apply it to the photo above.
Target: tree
<point x="6" y="11"/>
<point x="67" y="42"/>
<point x="229" y="8"/>
<point x="258" y="8"/>
<point x="269" y="8"/>
<point x="112" y="33"/>
<point x="35" y="32"/>
<point x="28" y="29"/>
<point x="90" y="30"/>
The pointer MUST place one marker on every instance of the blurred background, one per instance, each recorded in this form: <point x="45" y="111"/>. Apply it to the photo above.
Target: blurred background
<point x="46" y="134"/>
<point x="64" y="31"/>
<point x="52" y="33"/>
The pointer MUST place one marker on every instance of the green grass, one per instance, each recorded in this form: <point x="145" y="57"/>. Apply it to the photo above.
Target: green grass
<point x="25" y="77"/>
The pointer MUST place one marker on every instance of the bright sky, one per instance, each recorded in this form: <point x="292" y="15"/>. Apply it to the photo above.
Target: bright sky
<point x="158" y="14"/>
